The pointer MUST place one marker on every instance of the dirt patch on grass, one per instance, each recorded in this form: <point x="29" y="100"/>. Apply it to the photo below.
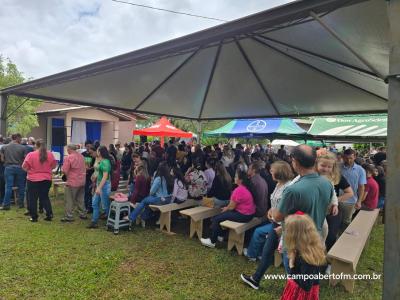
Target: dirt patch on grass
<point x="127" y="266"/>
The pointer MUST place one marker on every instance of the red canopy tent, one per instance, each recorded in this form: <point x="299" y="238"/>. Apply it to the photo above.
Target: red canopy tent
<point x="163" y="128"/>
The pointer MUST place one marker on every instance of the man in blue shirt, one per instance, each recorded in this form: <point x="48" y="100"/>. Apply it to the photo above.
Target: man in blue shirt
<point x="357" y="179"/>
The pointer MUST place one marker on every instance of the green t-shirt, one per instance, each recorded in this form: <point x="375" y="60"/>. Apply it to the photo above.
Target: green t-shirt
<point x="104" y="167"/>
<point x="311" y="194"/>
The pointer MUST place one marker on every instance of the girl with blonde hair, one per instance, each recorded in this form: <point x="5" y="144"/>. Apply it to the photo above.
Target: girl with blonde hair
<point x="327" y="166"/>
<point x="306" y="255"/>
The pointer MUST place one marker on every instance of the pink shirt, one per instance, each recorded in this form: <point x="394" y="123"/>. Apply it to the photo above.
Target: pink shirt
<point x="38" y="171"/>
<point x="75" y="170"/>
<point x="244" y="200"/>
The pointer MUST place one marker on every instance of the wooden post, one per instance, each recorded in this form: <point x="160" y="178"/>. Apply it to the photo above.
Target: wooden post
<point x="391" y="265"/>
<point x="3" y="114"/>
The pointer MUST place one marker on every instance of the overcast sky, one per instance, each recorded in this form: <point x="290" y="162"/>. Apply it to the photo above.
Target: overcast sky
<point x="44" y="37"/>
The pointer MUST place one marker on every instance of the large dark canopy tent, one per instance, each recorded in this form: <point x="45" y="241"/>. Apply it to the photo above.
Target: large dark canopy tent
<point x="311" y="57"/>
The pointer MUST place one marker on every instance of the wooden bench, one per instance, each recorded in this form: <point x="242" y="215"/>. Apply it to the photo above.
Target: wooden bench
<point x="346" y="252"/>
<point x="15" y="193"/>
<point x="165" y="212"/>
<point x="57" y="184"/>
<point x="237" y="231"/>
<point x="197" y="215"/>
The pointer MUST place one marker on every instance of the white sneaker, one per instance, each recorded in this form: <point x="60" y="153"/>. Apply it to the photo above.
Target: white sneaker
<point x="207" y="243"/>
<point x="245" y="254"/>
<point x="143" y="223"/>
<point x="158" y="222"/>
<point x="328" y="270"/>
<point x="220" y="239"/>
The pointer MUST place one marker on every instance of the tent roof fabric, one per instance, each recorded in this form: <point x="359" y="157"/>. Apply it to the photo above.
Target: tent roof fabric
<point x="350" y="126"/>
<point x="276" y="63"/>
<point x="248" y="128"/>
<point x="163" y="128"/>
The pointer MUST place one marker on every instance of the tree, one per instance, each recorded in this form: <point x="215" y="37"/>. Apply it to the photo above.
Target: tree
<point x="21" y="113"/>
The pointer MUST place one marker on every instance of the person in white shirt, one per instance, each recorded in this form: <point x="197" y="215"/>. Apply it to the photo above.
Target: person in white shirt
<point x="180" y="191"/>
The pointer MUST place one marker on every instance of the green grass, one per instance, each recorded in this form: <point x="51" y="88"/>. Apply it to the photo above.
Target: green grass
<point x="51" y="260"/>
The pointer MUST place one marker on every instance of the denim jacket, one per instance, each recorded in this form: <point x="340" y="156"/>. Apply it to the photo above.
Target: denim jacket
<point x="159" y="187"/>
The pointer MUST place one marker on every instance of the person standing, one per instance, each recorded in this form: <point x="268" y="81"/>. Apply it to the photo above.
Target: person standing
<point x="103" y="186"/>
<point x="89" y="158"/>
<point x="310" y="194"/>
<point x="281" y="153"/>
<point x="75" y="171"/>
<point x="357" y="179"/>
<point x="13" y="156"/>
<point x="171" y="154"/>
<point x="39" y="165"/>
<point x="2" y="180"/>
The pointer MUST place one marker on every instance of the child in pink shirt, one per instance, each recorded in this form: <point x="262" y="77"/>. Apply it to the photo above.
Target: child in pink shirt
<point x="241" y="208"/>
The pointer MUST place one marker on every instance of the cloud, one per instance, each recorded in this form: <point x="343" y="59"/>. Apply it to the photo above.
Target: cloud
<point x="49" y="36"/>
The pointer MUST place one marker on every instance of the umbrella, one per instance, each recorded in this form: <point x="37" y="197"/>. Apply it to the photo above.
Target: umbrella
<point x="162" y="128"/>
<point x="285" y="142"/>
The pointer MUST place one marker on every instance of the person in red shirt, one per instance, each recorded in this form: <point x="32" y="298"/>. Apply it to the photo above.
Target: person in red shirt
<point x="371" y="193"/>
<point x="39" y="165"/>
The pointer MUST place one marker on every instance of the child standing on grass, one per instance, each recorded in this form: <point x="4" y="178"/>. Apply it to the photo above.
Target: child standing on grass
<point x="306" y="257"/>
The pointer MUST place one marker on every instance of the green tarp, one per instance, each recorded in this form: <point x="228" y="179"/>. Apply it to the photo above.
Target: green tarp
<point x="374" y="126"/>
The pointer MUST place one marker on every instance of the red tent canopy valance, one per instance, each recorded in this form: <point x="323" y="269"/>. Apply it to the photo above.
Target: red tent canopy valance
<point x="163" y="128"/>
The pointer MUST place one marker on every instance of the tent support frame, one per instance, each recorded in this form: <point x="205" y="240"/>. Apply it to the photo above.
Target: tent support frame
<point x="210" y="79"/>
<point x="346" y="45"/>
<point x="322" y="57"/>
<point x="166" y="79"/>
<point x="253" y="70"/>
<point x="262" y="42"/>
<point x="391" y="264"/>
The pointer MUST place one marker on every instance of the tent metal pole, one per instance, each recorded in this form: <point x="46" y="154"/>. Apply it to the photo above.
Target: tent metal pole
<point x="391" y="264"/>
<point x="346" y="45"/>
<point x="199" y="132"/>
<point x="3" y="114"/>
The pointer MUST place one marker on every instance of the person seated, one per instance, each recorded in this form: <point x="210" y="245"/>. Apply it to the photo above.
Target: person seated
<point x="221" y="186"/>
<point x="282" y="174"/>
<point x="160" y="192"/>
<point x="241" y="208"/>
<point x="210" y="172"/>
<point x="197" y="185"/>
<point x="142" y="183"/>
<point x="180" y="191"/>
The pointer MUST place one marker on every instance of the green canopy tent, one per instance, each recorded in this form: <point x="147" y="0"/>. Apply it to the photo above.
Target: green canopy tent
<point x="270" y="128"/>
<point x="356" y="128"/>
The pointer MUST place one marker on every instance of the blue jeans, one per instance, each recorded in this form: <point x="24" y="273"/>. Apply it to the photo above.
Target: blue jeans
<point x="267" y="257"/>
<point x="231" y="215"/>
<point x="145" y="203"/>
<point x="258" y="239"/>
<point x="11" y="173"/>
<point x="102" y="199"/>
<point x="381" y="201"/>
<point x="220" y="203"/>
<point x="131" y="188"/>
<point x="285" y="260"/>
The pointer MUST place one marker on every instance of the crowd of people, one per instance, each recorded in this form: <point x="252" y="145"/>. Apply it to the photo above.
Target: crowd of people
<point x="305" y="198"/>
